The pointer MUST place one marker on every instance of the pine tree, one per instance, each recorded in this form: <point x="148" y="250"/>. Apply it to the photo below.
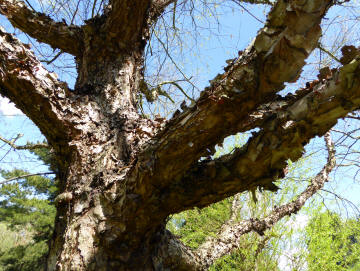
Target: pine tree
<point x="27" y="207"/>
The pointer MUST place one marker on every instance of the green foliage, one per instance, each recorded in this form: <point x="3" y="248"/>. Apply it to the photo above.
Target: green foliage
<point x="26" y="208"/>
<point x="253" y="254"/>
<point x="333" y="244"/>
<point x="195" y="225"/>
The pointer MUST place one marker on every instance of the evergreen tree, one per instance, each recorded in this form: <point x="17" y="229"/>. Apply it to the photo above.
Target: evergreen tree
<point x="27" y="208"/>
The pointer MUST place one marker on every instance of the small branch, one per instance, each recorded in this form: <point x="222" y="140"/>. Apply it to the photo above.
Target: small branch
<point x="353" y="205"/>
<point x="252" y="15"/>
<point x="28" y="146"/>
<point x="353" y="117"/>
<point x="227" y="239"/>
<point x="328" y="52"/>
<point x="179" y="87"/>
<point x="93" y="9"/>
<point x="256" y="2"/>
<point x="174" y="62"/>
<point x="25" y="176"/>
<point x="53" y="59"/>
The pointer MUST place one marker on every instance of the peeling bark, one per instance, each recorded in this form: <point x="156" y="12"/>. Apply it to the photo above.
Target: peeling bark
<point x="43" y="28"/>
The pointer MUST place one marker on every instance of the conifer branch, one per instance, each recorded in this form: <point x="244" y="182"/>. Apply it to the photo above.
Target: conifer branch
<point x="26" y="176"/>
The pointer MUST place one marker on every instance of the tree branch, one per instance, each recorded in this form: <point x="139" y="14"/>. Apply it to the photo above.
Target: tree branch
<point x="276" y="56"/>
<point x="38" y="93"/>
<point x="28" y="146"/>
<point x="178" y="255"/>
<point x="227" y="239"/>
<point x="257" y="2"/>
<point x="285" y="132"/>
<point x="130" y="20"/>
<point x="172" y="254"/>
<point x="43" y="28"/>
<point x="25" y="176"/>
<point x="126" y="21"/>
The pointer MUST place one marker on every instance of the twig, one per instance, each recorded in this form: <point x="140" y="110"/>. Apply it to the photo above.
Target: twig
<point x="53" y="59"/>
<point x="328" y="53"/>
<point x="93" y="9"/>
<point x="25" y="176"/>
<point x="173" y="61"/>
<point x="252" y="15"/>
<point x="179" y="87"/>
<point x="24" y="147"/>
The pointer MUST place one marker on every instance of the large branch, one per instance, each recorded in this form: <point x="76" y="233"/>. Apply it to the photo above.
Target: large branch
<point x="276" y="56"/>
<point x="43" y="28"/>
<point x="226" y="241"/>
<point x="294" y="122"/>
<point x="38" y="93"/>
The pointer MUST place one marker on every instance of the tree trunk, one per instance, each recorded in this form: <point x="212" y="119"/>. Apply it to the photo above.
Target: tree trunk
<point x="98" y="225"/>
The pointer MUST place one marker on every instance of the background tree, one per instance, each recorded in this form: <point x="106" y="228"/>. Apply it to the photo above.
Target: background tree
<point x="121" y="174"/>
<point x="333" y="243"/>
<point x="27" y="208"/>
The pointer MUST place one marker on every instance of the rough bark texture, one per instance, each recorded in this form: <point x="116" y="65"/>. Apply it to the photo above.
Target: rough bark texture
<point x="121" y="174"/>
<point x="43" y="28"/>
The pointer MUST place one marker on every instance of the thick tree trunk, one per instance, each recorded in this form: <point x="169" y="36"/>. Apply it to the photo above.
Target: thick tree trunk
<point x="96" y="225"/>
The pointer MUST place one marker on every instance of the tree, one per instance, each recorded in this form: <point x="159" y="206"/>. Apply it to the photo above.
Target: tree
<point x="121" y="174"/>
<point x="27" y="208"/>
<point x="332" y="243"/>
